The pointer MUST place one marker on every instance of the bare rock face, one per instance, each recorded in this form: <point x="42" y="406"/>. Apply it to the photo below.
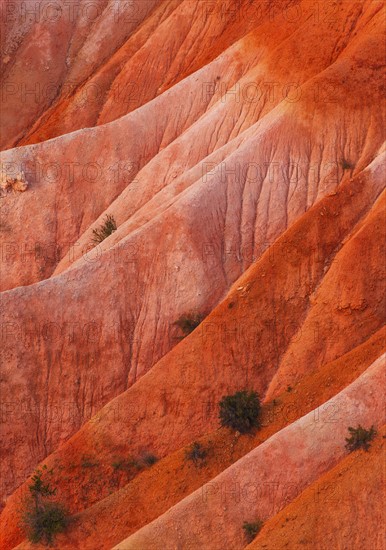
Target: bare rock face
<point x="185" y="159"/>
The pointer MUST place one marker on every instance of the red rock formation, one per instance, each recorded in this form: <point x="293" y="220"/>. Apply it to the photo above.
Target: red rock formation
<point x="154" y="491"/>
<point x="334" y="509"/>
<point x="259" y="485"/>
<point x="196" y="360"/>
<point x="239" y="148"/>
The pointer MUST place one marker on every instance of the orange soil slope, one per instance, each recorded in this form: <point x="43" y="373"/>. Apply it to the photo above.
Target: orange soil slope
<point x="116" y="314"/>
<point x="293" y="289"/>
<point x="268" y="216"/>
<point x="154" y="491"/>
<point x="146" y="423"/>
<point x="261" y="483"/>
<point x="342" y="509"/>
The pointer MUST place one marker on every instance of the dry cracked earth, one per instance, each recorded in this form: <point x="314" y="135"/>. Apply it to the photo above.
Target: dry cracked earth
<point x="192" y="205"/>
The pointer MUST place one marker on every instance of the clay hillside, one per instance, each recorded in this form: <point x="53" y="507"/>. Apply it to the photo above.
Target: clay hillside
<point x="192" y="273"/>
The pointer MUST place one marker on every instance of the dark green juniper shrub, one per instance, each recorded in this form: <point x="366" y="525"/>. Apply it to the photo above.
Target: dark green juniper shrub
<point x="40" y="488"/>
<point x="197" y="454"/>
<point x="42" y="519"/>
<point x="105" y="230"/>
<point x="42" y="524"/>
<point x="360" y="438"/>
<point x="240" y="411"/>
<point x="251" y="529"/>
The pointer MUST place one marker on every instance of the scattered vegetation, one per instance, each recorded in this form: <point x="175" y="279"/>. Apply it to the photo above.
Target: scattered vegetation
<point x="105" y="230"/>
<point x="197" y="454"/>
<point x="149" y="459"/>
<point x="44" y="523"/>
<point x="132" y="465"/>
<point x="88" y="462"/>
<point x="188" y="322"/>
<point x="127" y="465"/>
<point x="240" y="411"/>
<point x="42" y="519"/>
<point x="252" y="529"/>
<point x="289" y="389"/>
<point x="360" y="438"/>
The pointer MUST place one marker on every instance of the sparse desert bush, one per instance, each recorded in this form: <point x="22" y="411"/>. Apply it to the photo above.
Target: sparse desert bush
<point x="41" y="524"/>
<point x="188" y="322"/>
<point x="197" y="454"/>
<point x="360" y="438"/>
<point x="89" y="462"/>
<point x="149" y="459"/>
<point x="39" y="488"/>
<point x="41" y="518"/>
<point x="240" y="411"/>
<point x="126" y="464"/>
<point x="105" y="230"/>
<point x="251" y="529"/>
<point x="131" y="465"/>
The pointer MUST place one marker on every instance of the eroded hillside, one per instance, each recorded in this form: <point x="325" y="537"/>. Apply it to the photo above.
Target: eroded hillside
<point x="238" y="148"/>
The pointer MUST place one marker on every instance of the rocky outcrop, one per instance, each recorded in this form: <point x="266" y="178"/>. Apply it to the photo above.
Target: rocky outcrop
<point x="10" y="183"/>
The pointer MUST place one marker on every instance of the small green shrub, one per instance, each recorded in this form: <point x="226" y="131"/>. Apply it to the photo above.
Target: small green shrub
<point x="149" y="459"/>
<point x="41" y="518"/>
<point x="197" y="454"/>
<point x="252" y="529"/>
<point x="240" y="411"/>
<point x="188" y="322"/>
<point x="105" y="230"/>
<point x="43" y="523"/>
<point x="360" y="438"/>
<point x="40" y="488"/>
<point x="289" y="389"/>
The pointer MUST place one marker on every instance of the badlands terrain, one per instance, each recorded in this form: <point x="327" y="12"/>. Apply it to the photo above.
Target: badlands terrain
<point x="238" y="148"/>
